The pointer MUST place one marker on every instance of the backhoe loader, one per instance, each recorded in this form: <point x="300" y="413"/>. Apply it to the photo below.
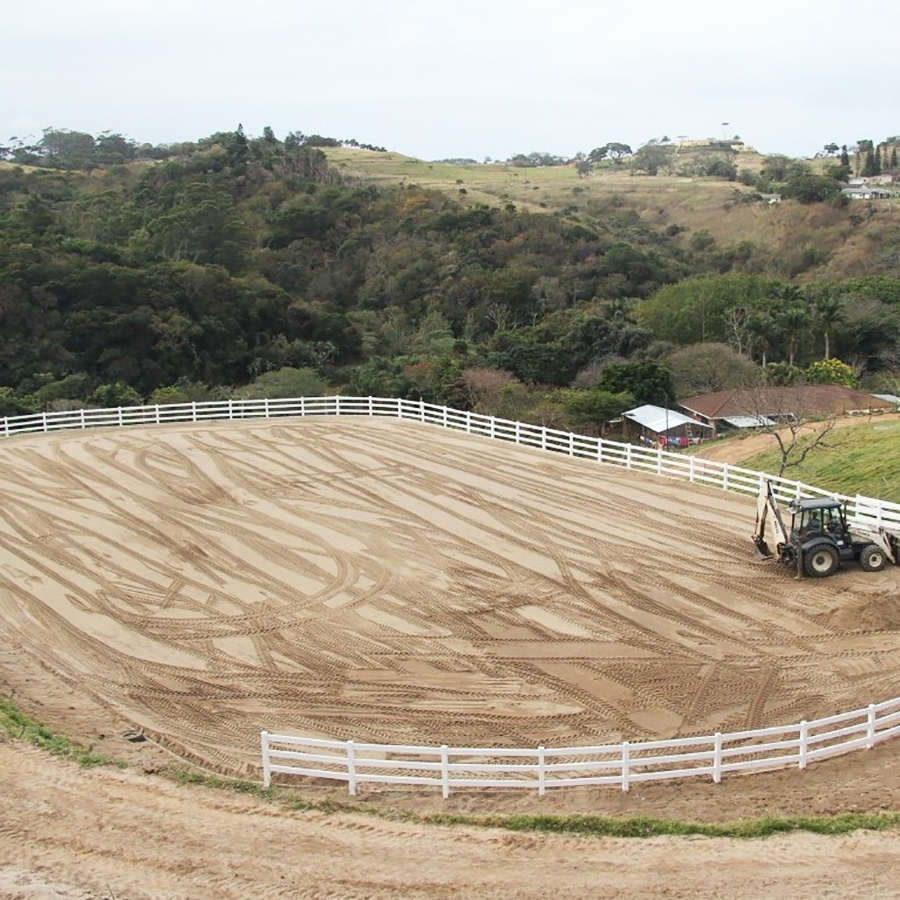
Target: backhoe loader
<point x="819" y="538"/>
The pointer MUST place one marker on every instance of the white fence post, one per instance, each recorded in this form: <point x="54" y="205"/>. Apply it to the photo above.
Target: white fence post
<point x="717" y="758"/>
<point x="804" y="743"/>
<point x="626" y="766"/>
<point x="870" y="727"/>
<point x="371" y="406"/>
<point x="542" y="771"/>
<point x="351" y="768"/>
<point x="83" y="424"/>
<point x="445" y="771"/>
<point x="267" y="763"/>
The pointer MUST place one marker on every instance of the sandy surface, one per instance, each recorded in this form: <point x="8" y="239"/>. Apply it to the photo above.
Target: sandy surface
<point x="67" y="833"/>
<point x="390" y="582"/>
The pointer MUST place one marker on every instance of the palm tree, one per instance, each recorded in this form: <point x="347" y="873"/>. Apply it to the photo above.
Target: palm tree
<point x="792" y="315"/>
<point x="829" y="311"/>
<point x="793" y="319"/>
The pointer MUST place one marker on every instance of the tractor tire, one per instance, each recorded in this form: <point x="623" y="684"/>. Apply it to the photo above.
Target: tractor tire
<point x="872" y="558"/>
<point x="821" y="561"/>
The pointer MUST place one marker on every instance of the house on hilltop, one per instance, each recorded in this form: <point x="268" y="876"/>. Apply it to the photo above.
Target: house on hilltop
<point x="867" y="192"/>
<point x="760" y="407"/>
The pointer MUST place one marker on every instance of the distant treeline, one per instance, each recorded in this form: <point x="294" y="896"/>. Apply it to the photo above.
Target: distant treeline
<point x="249" y="264"/>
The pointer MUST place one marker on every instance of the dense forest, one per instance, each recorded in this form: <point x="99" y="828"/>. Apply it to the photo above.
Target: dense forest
<point x="240" y="266"/>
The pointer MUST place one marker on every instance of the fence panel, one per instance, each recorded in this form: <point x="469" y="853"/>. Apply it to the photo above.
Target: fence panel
<point x="622" y="764"/>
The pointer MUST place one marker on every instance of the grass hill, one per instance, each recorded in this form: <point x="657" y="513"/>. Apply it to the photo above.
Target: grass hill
<point x="861" y="458"/>
<point x="724" y="220"/>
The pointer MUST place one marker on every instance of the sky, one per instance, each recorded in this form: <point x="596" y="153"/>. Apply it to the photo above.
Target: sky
<point x="463" y="79"/>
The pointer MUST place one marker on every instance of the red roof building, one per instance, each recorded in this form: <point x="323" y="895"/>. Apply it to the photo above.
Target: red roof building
<point x="765" y="405"/>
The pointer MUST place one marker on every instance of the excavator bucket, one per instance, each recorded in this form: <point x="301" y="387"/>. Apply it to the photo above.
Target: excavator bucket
<point x="763" y="548"/>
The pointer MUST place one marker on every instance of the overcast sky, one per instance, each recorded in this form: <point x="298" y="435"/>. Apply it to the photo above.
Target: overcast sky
<point x="465" y="78"/>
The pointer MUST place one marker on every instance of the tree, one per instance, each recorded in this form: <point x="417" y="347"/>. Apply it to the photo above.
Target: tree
<point x="796" y="427"/>
<point x="646" y="381"/>
<point x="812" y="188"/>
<point x="114" y="149"/>
<point x="831" y="371"/>
<point x="828" y="311"/>
<point x="708" y="368"/>
<point x="775" y="167"/>
<point x="617" y="151"/>
<point x="591" y="410"/>
<point x="64" y="149"/>
<point x="793" y="317"/>
<point x="652" y="157"/>
<point x="108" y="396"/>
<point x="831" y="149"/>
<point x="583" y="165"/>
<point x="693" y="310"/>
<point x="284" y="382"/>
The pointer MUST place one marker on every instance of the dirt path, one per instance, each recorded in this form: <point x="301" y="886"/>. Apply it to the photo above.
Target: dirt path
<point x="390" y="582"/>
<point x="67" y="833"/>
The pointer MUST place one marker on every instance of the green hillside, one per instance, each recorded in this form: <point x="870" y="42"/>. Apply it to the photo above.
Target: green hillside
<point x="788" y="239"/>
<point x="555" y="291"/>
<point x="862" y="459"/>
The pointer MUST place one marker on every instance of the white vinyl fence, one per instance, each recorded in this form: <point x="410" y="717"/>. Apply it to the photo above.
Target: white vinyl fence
<point x="630" y="456"/>
<point x="542" y="767"/>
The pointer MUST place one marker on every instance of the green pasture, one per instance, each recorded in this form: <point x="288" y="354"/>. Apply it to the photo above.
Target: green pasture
<point x="864" y="459"/>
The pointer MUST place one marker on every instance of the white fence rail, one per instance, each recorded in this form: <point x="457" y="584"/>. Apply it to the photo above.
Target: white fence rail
<point x="541" y="768"/>
<point x="638" y="458"/>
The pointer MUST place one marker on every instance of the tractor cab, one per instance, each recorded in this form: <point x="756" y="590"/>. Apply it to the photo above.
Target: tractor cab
<point x="812" y="518"/>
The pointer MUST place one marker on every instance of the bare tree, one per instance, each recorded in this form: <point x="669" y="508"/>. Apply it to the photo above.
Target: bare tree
<point x="738" y="329"/>
<point x="499" y="314"/>
<point x="799" y="425"/>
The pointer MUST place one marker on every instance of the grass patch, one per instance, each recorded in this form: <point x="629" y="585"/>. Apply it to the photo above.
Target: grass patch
<point x="862" y="459"/>
<point x="643" y="827"/>
<point x="23" y="727"/>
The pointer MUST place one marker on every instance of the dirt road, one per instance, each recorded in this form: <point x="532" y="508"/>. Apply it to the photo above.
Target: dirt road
<point x="67" y="833"/>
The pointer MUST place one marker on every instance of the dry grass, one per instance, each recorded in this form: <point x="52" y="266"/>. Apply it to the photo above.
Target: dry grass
<point x="806" y="242"/>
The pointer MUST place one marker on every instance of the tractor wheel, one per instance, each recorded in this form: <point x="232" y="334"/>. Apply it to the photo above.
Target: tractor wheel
<point x="821" y="561"/>
<point x="872" y="558"/>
